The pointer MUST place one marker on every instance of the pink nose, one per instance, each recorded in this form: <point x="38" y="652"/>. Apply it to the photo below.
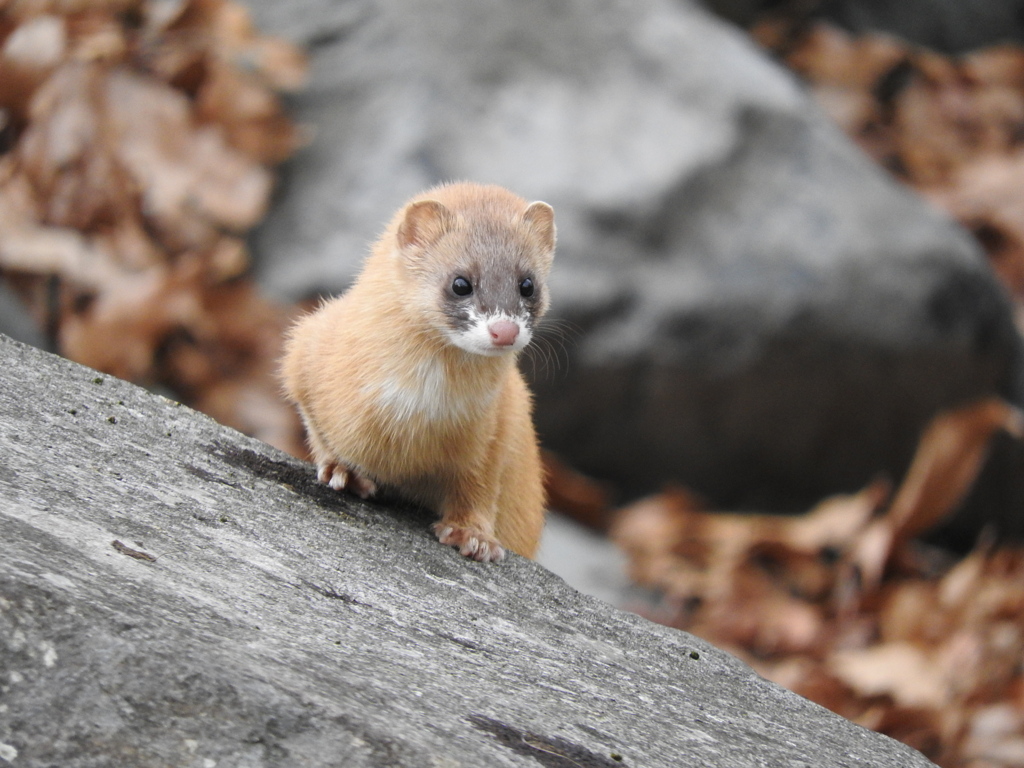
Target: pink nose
<point x="503" y="333"/>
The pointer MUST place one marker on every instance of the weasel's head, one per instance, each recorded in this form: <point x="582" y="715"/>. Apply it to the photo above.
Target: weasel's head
<point x="479" y="257"/>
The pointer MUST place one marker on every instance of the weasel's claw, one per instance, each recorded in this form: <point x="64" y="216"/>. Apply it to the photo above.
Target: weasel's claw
<point x="340" y="478"/>
<point x="470" y="542"/>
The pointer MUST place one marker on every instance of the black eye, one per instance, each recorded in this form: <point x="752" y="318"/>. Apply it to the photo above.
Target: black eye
<point x="461" y="287"/>
<point x="526" y="287"/>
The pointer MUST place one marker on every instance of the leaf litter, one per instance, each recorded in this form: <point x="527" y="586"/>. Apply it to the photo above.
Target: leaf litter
<point x="845" y="606"/>
<point x="137" y="145"/>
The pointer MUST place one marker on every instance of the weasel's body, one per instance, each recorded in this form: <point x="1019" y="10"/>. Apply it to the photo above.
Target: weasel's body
<point x="409" y="380"/>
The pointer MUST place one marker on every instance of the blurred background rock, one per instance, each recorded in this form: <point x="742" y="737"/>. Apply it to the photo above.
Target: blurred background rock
<point x="743" y="302"/>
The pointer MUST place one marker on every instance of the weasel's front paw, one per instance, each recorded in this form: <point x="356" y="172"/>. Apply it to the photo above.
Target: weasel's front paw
<point x="341" y="478"/>
<point x="471" y="542"/>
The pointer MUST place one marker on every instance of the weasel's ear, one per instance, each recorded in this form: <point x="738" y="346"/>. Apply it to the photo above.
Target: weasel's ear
<point x="424" y="223"/>
<point x="541" y="218"/>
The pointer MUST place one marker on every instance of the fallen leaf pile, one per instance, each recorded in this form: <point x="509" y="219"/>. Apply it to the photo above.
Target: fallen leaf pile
<point x="952" y="127"/>
<point x="842" y="606"/>
<point x="137" y="139"/>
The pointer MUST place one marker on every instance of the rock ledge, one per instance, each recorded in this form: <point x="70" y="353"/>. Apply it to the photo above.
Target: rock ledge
<point x="247" y="616"/>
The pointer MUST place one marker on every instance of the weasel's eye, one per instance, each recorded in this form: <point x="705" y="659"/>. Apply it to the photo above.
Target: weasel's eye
<point x="461" y="287"/>
<point x="526" y="287"/>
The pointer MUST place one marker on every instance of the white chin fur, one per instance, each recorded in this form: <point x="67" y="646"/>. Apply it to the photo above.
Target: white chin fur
<point x="477" y="338"/>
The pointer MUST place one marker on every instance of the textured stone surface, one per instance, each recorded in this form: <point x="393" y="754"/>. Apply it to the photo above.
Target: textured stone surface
<point x="282" y="624"/>
<point x="742" y="301"/>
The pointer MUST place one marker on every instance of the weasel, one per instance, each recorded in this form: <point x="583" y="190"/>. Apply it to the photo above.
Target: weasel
<point x="409" y="382"/>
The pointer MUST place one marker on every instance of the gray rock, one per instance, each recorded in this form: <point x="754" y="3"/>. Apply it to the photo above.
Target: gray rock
<point x="15" y="320"/>
<point x="586" y="560"/>
<point x="742" y="301"/>
<point x="282" y="624"/>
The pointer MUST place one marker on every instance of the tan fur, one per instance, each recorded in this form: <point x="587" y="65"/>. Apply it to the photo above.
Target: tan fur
<point x="389" y="401"/>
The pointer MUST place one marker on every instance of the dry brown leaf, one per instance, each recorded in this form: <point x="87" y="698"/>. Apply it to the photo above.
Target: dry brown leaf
<point x="949" y="456"/>
<point x="574" y="494"/>
<point x="830" y="56"/>
<point x="835" y="522"/>
<point x="912" y="612"/>
<point x="40" y="43"/>
<point x="137" y="309"/>
<point x="179" y="36"/>
<point x="281" y="65"/>
<point x="867" y="560"/>
<point x="1000" y="65"/>
<point x="996" y="734"/>
<point x="936" y="122"/>
<point x="250" y="115"/>
<point x="900" y="670"/>
<point x="193" y="184"/>
<point x="763" y="621"/>
<point x="984" y="197"/>
<point x="28" y="9"/>
<point x="649" y="531"/>
<point x="948" y="459"/>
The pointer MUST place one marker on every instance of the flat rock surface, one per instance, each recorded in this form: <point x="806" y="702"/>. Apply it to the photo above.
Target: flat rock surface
<point x="175" y="594"/>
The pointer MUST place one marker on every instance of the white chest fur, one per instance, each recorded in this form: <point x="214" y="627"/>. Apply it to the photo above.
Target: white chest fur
<point x="426" y="392"/>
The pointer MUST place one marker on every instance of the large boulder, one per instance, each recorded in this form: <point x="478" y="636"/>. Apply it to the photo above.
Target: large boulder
<point x="742" y="301"/>
<point x="174" y="593"/>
